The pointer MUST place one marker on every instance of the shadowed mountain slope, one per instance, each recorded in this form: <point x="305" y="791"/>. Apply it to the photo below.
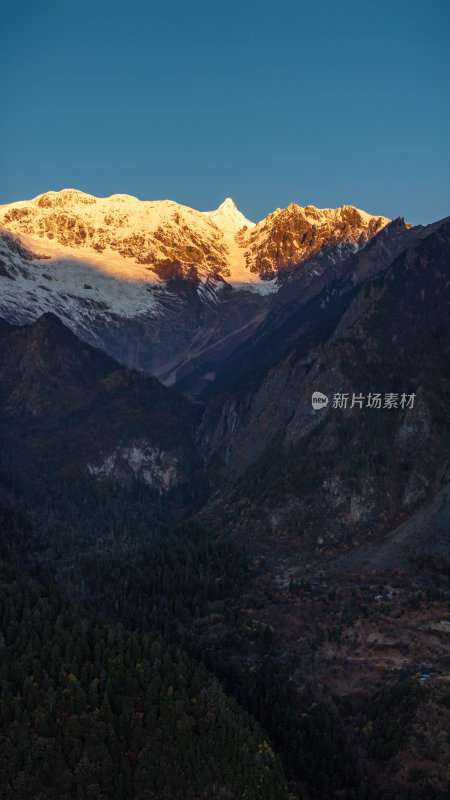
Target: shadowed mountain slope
<point x="63" y="402"/>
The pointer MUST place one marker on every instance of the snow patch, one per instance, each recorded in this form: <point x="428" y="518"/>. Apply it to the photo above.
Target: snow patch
<point x="257" y="286"/>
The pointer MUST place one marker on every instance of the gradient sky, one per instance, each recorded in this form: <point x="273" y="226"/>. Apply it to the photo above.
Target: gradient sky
<point x="322" y="103"/>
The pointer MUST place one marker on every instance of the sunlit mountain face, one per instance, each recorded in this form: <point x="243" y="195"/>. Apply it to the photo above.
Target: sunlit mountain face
<point x="170" y="240"/>
<point x="161" y="287"/>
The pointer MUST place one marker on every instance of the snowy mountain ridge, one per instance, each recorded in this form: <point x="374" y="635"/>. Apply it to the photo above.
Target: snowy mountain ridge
<point x="161" y="287"/>
<point x="124" y="233"/>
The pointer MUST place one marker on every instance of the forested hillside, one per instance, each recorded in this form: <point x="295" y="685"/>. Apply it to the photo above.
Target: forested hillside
<point x="130" y="627"/>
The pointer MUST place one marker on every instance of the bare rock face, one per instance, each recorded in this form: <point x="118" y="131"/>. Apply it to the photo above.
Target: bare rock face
<point x="416" y="488"/>
<point x="415" y="429"/>
<point x="138" y="460"/>
<point x="290" y="236"/>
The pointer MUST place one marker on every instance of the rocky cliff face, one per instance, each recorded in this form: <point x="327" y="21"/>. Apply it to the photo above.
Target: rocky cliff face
<point x="290" y="236"/>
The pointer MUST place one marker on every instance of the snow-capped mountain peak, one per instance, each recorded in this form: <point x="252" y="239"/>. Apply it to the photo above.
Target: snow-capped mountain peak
<point x="228" y="217"/>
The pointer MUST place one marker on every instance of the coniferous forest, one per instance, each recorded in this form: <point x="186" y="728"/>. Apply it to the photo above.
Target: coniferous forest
<point x="131" y="669"/>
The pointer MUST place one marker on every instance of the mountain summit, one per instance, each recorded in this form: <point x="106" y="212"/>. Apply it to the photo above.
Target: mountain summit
<point x="228" y="217"/>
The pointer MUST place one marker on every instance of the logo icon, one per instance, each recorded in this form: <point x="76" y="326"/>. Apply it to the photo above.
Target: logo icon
<point x="319" y="400"/>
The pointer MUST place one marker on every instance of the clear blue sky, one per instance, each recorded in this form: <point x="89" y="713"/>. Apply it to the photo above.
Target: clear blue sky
<point x="319" y="103"/>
